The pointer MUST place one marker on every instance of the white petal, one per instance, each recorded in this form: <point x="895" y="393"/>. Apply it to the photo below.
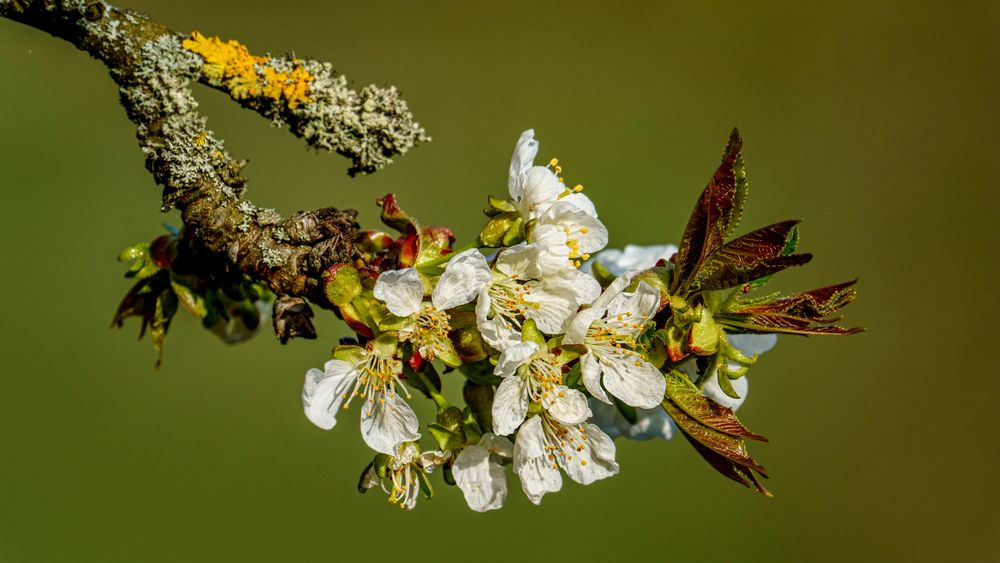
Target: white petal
<point x="581" y="226"/>
<point x="551" y="308"/>
<point x="580" y="202"/>
<point x="590" y="369"/>
<point x="483" y="483"/>
<point x="522" y="159"/>
<point x="324" y="392"/>
<point x="638" y="306"/>
<point x="401" y="290"/>
<point x="519" y="262"/>
<point x="514" y="357"/>
<point x="465" y="275"/>
<point x="552" y="253"/>
<point x="385" y="425"/>
<point x="599" y="454"/>
<point x="578" y="327"/>
<point x="637" y="385"/>
<point x="614" y="290"/>
<point x="540" y="188"/>
<point x="568" y="406"/>
<point x="712" y="390"/>
<point x="586" y="288"/>
<point x="530" y="464"/>
<point x="510" y="405"/>
<point x="751" y="344"/>
<point x="497" y="445"/>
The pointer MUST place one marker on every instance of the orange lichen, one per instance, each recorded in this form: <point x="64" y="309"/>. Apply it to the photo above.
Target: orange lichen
<point x="231" y="65"/>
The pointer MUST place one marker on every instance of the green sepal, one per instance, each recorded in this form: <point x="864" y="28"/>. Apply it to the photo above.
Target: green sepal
<point x="572" y="379"/>
<point x="350" y="354"/>
<point x="530" y="333"/>
<point x="382" y="463"/>
<point x="364" y="475"/>
<point x="425" y="484"/>
<point x="565" y="353"/>
<point x="385" y="344"/>
<point x="601" y="273"/>
<point x="446" y="439"/>
<point x="448" y="475"/>
<point x="448" y="355"/>
<point x="705" y="334"/>
<point x="496" y="229"/>
<point x="470" y="425"/>
<point x="465" y="336"/>
<point x="496" y="205"/>
<point x="341" y="283"/>
<point x="515" y="233"/>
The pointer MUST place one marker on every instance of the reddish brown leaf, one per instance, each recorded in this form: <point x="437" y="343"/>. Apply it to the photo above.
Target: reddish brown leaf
<point x="728" y="446"/>
<point x="729" y="468"/>
<point x="749" y="257"/>
<point x="803" y="313"/>
<point x="689" y="398"/>
<point x="715" y="215"/>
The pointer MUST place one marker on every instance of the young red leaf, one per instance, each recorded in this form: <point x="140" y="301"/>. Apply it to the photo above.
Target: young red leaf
<point x="715" y="215"/>
<point x="752" y="256"/>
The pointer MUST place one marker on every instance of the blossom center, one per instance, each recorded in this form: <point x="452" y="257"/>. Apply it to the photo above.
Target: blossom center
<point x="564" y="443"/>
<point x="378" y="377"/>
<point x="509" y="300"/>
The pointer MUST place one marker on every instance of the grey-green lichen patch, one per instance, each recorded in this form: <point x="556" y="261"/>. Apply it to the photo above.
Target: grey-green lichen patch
<point x="369" y="127"/>
<point x="272" y="256"/>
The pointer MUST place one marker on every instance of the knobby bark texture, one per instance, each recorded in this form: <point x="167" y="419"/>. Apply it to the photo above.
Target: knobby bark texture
<point x="224" y="234"/>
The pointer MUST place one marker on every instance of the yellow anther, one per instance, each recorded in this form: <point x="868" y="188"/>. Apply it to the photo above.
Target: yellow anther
<point x="578" y="188"/>
<point x="554" y="162"/>
<point x="584" y="230"/>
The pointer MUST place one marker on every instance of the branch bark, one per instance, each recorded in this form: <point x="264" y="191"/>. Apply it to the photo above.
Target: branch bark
<point x="224" y="234"/>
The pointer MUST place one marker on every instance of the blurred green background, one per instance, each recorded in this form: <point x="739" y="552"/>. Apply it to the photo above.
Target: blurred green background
<point x="875" y="122"/>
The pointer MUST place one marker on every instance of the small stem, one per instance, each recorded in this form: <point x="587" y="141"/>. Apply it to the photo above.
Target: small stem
<point x="439" y="399"/>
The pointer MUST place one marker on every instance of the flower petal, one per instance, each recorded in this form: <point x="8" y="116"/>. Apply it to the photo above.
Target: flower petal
<point x="590" y="369"/>
<point x="497" y="445"/>
<point x="324" y="392"/>
<point x="385" y="425"/>
<point x="510" y="405"/>
<point x="568" y="406"/>
<point x="578" y="327"/>
<point x="530" y="464"/>
<point x="522" y="159"/>
<point x="539" y="188"/>
<point x="514" y="357"/>
<point x="465" y="276"/>
<point x="639" y="385"/>
<point x="483" y="483"/>
<point x="593" y="461"/>
<point x="401" y="290"/>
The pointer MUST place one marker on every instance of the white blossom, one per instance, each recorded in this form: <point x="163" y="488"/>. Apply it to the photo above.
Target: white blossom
<point x="535" y="188"/>
<point x="518" y="291"/>
<point x="609" y="330"/>
<point x="532" y="374"/>
<point x="386" y="418"/>
<point x="403" y="292"/>
<point x="479" y="472"/>
<point x="402" y="479"/>
<point x="544" y="445"/>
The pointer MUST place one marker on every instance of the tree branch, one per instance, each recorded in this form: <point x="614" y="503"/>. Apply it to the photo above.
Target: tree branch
<point x="225" y="235"/>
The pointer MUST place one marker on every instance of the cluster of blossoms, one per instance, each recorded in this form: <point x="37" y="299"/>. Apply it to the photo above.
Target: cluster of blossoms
<point x="560" y="351"/>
